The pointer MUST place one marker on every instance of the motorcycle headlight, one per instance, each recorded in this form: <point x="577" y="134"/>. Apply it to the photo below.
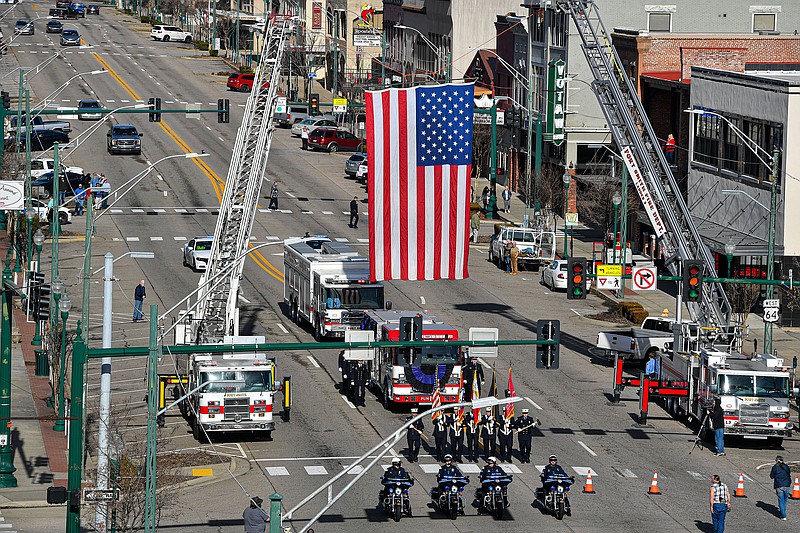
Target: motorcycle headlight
<point x="498" y="487"/>
<point x="397" y="491"/>
<point x="454" y="489"/>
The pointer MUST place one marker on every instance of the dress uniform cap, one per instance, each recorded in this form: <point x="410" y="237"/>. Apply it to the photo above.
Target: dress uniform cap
<point x="414" y="410"/>
<point x="524" y="411"/>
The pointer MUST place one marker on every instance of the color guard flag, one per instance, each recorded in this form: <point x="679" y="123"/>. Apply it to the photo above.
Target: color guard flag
<point x="476" y="394"/>
<point x="511" y="393"/>
<point x="419" y="142"/>
<point x="436" y="399"/>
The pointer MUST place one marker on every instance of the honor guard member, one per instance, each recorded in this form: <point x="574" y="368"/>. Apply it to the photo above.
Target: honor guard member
<point x="456" y="435"/>
<point x="344" y="367"/>
<point x="472" y="429"/>
<point x="359" y="383"/>
<point x="489" y="432"/>
<point x="524" y="426"/>
<point x="505" y="436"/>
<point x="440" y="427"/>
<point x="414" y="436"/>
<point x="470" y="370"/>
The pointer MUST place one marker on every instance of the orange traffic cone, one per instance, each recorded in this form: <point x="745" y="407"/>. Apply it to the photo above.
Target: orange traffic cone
<point x="589" y="487"/>
<point x="739" y="492"/>
<point x="654" y="485"/>
<point x="795" y="495"/>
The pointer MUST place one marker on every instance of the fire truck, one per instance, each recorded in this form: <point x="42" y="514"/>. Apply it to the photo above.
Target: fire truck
<point x="234" y="390"/>
<point x="409" y="375"/>
<point x="754" y="392"/>
<point x="326" y="284"/>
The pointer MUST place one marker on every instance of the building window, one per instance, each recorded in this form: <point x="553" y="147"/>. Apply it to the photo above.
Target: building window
<point x="764" y="22"/>
<point x="731" y="145"/>
<point x="659" y="21"/>
<point x="706" y="139"/>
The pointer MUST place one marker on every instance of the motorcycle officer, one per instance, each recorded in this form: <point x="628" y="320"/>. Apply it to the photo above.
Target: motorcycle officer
<point x="448" y="469"/>
<point x="396" y="472"/>
<point x="490" y="470"/>
<point x="552" y="469"/>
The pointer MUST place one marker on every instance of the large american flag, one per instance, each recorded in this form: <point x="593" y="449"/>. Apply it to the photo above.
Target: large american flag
<point x="419" y="142"/>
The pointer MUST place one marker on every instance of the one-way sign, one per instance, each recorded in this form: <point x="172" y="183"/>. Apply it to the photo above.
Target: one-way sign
<point x="100" y="495"/>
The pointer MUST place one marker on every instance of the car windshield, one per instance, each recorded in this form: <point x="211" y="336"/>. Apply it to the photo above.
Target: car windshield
<point x="435" y="355"/>
<point x="70" y="33"/>
<point x="521" y="236"/>
<point x="89" y="104"/>
<point x="772" y="386"/>
<point x="357" y="158"/>
<point x="202" y="246"/>
<point x="251" y="380"/>
<point x="737" y="385"/>
<point x="308" y="122"/>
<point x="125" y="130"/>
<point x="354" y="298"/>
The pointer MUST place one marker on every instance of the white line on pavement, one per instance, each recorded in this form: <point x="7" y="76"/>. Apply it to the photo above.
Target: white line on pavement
<point x="484" y="363"/>
<point x="245" y="300"/>
<point x="422" y="300"/>
<point x="290" y="195"/>
<point x="574" y="311"/>
<point x="533" y="403"/>
<point x="283" y="329"/>
<point x="348" y="402"/>
<point x="313" y="361"/>
<point x="585" y="447"/>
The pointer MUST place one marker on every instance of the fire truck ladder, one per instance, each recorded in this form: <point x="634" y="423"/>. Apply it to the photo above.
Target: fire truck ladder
<point x="634" y="135"/>
<point x="217" y="304"/>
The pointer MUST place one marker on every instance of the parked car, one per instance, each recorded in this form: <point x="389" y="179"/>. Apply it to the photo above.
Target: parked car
<point x="170" y="33"/>
<point x="293" y="113"/>
<point x="73" y="180"/>
<point x="93" y="9"/>
<point x="555" y="275"/>
<point x="41" y="210"/>
<point x="40" y="124"/>
<point x="313" y="123"/>
<point x="351" y="165"/>
<point x="197" y="251"/>
<point x="333" y="140"/>
<point x="44" y="139"/>
<point x="124" y="139"/>
<point x="70" y="37"/>
<point x="45" y="165"/>
<point x="58" y="12"/>
<point x="362" y="175"/>
<point x="243" y="82"/>
<point x="54" y="26"/>
<point x="23" y="27"/>
<point x="86" y="110"/>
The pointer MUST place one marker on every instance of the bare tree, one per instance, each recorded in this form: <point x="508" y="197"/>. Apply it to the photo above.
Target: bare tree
<point x="481" y="146"/>
<point x="742" y="297"/>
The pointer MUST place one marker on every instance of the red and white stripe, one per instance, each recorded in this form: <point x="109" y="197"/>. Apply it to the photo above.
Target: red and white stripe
<point x="419" y="216"/>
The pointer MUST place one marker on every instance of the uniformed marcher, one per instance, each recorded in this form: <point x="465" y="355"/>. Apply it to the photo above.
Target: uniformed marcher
<point x="440" y="427"/>
<point x="360" y="377"/>
<point x="505" y="436"/>
<point x="469" y="371"/>
<point x="524" y="426"/>
<point x="414" y="436"/>
<point x="488" y="432"/>
<point x="472" y="428"/>
<point x="344" y="368"/>
<point x="456" y="435"/>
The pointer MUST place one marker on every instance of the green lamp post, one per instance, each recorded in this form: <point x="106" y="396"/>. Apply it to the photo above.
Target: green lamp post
<point x="56" y="288"/>
<point x="616" y="200"/>
<point x="566" y="179"/>
<point x="38" y="240"/>
<point x="730" y="249"/>
<point x="64" y="305"/>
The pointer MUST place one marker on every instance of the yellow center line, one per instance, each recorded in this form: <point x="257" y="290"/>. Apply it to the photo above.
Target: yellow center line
<point x="216" y="182"/>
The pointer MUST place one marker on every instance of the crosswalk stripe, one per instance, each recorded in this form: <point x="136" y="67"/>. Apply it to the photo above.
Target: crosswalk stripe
<point x="276" y="471"/>
<point x="316" y="470"/>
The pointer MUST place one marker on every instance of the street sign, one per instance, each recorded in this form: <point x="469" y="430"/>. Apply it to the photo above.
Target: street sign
<point x="771" y="314"/>
<point x="366" y="37"/>
<point x="572" y="219"/>
<point x="280" y="104"/>
<point x="609" y="283"/>
<point x="67" y="113"/>
<point x="312" y="74"/>
<point x="483" y="118"/>
<point x="644" y="278"/>
<point x="340" y="105"/>
<point x="483" y="334"/>
<point x="771" y="303"/>
<point x="100" y="495"/>
<point x="556" y="89"/>
<point x="3" y="440"/>
<point x="609" y="270"/>
<point x="194" y="106"/>
<point x="359" y="354"/>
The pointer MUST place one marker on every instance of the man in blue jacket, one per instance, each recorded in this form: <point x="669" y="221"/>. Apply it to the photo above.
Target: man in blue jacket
<point x="783" y="480"/>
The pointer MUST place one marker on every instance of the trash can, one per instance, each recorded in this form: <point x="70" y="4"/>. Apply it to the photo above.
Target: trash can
<point x="42" y="368"/>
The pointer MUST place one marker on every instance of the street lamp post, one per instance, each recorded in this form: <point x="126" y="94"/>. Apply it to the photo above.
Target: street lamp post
<point x="64" y="305"/>
<point x="38" y="240"/>
<point x="616" y="200"/>
<point x="7" y="469"/>
<point x="436" y="50"/>
<point x="730" y="248"/>
<point x="566" y="179"/>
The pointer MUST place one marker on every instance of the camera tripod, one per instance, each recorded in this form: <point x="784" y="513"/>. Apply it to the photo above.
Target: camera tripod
<point x="698" y="439"/>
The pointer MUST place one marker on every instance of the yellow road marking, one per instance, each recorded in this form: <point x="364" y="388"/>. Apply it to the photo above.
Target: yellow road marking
<point x="216" y="182"/>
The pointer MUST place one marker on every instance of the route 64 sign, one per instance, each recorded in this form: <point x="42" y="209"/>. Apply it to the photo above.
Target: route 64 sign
<point x="771" y="310"/>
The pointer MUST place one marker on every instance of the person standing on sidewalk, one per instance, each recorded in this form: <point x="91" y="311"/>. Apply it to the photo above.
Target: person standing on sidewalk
<point x="273" y="196"/>
<point x="783" y="481"/>
<point x="475" y="225"/>
<point x="138" y="300"/>
<point x="507" y="199"/>
<point x="304" y="137"/>
<point x="720" y="503"/>
<point x="255" y="518"/>
<point x="354" y="212"/>
<point x="718" y="425"/>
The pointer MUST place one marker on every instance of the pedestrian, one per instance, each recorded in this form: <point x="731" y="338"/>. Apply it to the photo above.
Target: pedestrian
<point x="485" y="198"/>
<point x="95" y="181"/>
<point x="105" y="187"/>
<point x="360" y="375"/>
<point x="86" y="180"/>
<point x="720" y="503"/>
<point x="473" y="431"/>
<point x="79" y="202"/>
<point x="456" y="434"/>
<point x="513" y="255"/>
<point x="440" y="427"/>
<point x="475" y="225"/>
<point x="507" y="199"/>
<point x="354" y="212"/>
<point x="489" y="432"/>
<point x="255" y="518"/>
<point x="138" y="300"/>
<point x="524" y="426"/>
<point x="414" y="436"/>
<point x="505" y="437"/>
<point x="471" y="371"/>
<point x="62" y="188"/>
<point x="669" y="149"/>
<point x="507" y="255"/>
<point x="304" y="137"/>
<point x="344" y="368"/>
<point x="651" y="369"/>
<point x="273" y="196"/>
<point x="783" y="480"/>
<point x="51" y="205"/>
<point x="471" y="193"/>
<point x="718" y="425"/>
<point x="755" y="346"/>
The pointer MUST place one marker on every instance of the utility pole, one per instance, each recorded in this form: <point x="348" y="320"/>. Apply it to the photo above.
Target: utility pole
<point x="529" y="169"/>
<point x="7" y="469"/>
<point x="150" y="510"/>
<point x="101" y="514"/>
<point x="75" y="469"/>
<point x="773" y="207"/>
<point x="335" y="53"/>
<point x="491" y="210"/>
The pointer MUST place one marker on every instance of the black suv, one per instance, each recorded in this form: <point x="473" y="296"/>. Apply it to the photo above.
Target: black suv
<point x="124" y="139"/>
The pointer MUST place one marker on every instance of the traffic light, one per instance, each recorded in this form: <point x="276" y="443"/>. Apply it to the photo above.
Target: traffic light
<point x="576" y="278"/>
<point x="224" y="111"/>
<point x="547" y="354"/>
<point x="411" y="328"/>
<point x="155" y="105"/>
<point x="692" y="280"/>
<point x="6" y="99"/>
<point x="313" y="104"/>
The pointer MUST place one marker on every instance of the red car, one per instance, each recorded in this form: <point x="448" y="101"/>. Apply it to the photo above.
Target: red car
<point x="333" y="140"/>
<point x="243" y="82"/>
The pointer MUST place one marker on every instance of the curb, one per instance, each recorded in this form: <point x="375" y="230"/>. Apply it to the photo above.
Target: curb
<point x="236" y="464"/>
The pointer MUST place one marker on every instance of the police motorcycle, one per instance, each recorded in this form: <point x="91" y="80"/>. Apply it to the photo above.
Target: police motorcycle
<point x="394" y="497"/>
<point x="554" y="496"/>
<point x="446" y="496"/>
<point x="492" y="495"/>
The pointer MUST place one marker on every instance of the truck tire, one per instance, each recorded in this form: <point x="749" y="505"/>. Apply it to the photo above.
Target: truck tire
<point x="318" y="335"/>
<point x="196" y="431"/>
<point x="776" y="442"/>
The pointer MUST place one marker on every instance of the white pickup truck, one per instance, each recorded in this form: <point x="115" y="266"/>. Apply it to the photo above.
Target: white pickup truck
<point x="535" y="247"/>
<point x="654" y="334"/>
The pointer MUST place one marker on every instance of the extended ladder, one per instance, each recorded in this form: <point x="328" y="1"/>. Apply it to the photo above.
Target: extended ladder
<point x="217" y="308"/>
<point x="641" y="150"/>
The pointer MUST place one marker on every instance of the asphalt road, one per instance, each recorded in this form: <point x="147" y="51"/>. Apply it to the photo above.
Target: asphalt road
<point x="179" y="200"/>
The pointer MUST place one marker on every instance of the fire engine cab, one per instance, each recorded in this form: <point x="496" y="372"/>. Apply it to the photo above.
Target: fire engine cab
<point x="410" y="374"/>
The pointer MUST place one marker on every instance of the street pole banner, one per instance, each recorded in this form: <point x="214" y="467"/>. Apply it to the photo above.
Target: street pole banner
<point x="12" y="195"/>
